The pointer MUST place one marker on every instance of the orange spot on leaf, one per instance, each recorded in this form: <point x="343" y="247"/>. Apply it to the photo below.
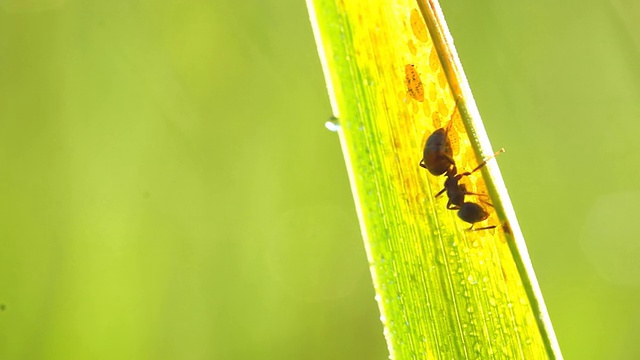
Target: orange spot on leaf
<point x="418" y="26"/>
<point x="415" y="89"/>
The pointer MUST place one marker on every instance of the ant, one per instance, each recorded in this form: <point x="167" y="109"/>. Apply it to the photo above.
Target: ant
<point x="438" y="160"/>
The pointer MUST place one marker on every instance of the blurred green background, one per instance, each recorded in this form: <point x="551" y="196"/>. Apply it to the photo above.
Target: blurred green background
<point x="168" y="189"/>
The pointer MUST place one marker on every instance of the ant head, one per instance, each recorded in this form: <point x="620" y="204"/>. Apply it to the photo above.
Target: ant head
<point x="472" y="213"/>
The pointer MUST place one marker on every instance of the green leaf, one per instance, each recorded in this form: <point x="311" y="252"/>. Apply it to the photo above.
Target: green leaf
<point x="444" y="292"/>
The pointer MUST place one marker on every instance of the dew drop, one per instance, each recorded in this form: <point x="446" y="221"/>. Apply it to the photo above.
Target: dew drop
<point x="471" y="279"/>
<point x="332" y="124"/>
<point x="523" y="301"/>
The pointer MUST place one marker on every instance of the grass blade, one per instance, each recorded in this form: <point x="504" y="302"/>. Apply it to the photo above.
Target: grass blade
<point x="394" y="78"/>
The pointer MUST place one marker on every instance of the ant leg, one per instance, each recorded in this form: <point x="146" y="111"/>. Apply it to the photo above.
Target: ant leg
<point x="451" y="206"/>
<point x="482" y="228"/>
<point x="448" y="127"/>
<point x="476" y="194"/>
<point x="441" y="192"/>
<point x="488" y="203"/>
<point x="451" y="161"/>
<point x="463" y="190"/>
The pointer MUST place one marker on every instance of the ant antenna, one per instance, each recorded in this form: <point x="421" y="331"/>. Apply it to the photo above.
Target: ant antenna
<point x="484" y="162"/>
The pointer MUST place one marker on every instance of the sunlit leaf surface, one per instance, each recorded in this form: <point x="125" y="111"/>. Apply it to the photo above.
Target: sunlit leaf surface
<point x="443" y="291"/>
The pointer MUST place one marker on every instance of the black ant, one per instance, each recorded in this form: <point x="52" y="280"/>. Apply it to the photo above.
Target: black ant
<point x="438" y="160"/>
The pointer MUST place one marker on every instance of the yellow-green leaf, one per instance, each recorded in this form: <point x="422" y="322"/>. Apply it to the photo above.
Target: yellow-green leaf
<point x="443" y="292"/>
